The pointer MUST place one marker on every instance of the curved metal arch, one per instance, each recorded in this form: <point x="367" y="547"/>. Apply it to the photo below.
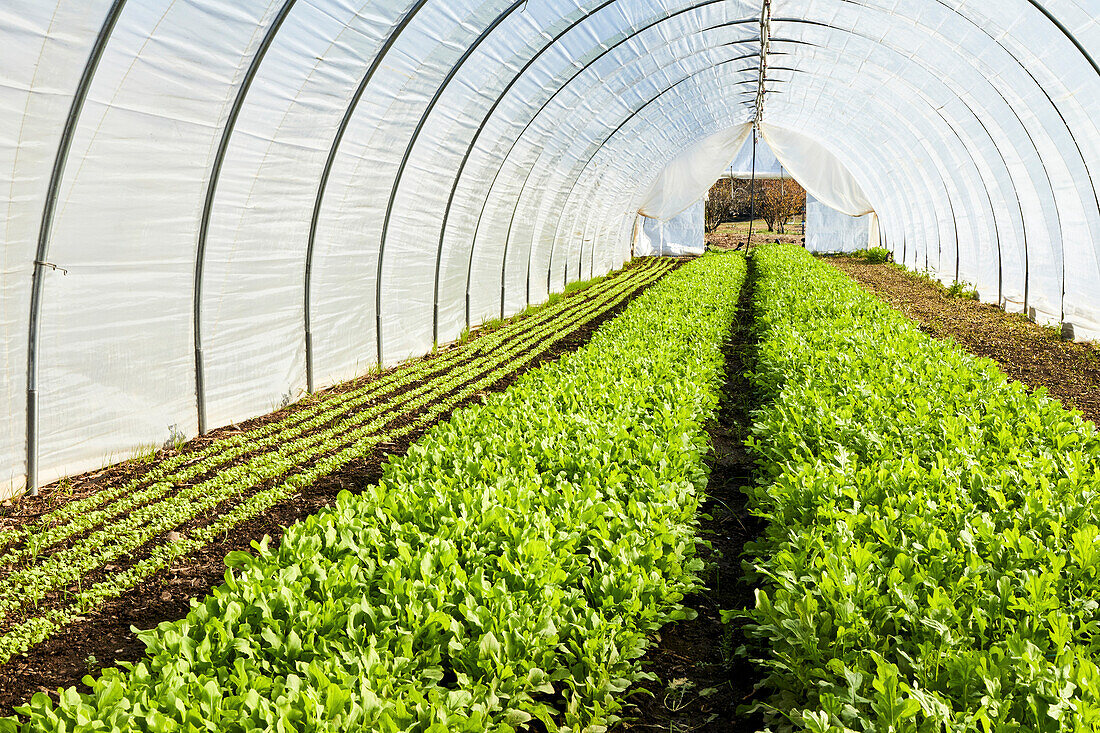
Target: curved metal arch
<point x="800" y="42"/>
<point x="937" y="172"/>
<point x="543" y="107"/>
<point x="581" y="174"/>
<point x="1073" y="39"/>
<point x="993" y="142"/>
<point x="473" y="143"/>
<point x="1068" y="34"/>
<point x="538" y="112"/>
<point x="622" y="191"/>
<point x="42" y="251"/>
<point x="322" y="184"/>
<point x="598" y="148"/>
<point x="963" y="146"/>
<point x="208" y="203"/>
<point x="1058" y="111"/>
<point x="523" y="188"/>
<point x="1069" y="131"/>
<point x="1023" y="232"/>
<point x="500" y="98"/>
<point x="557" y="226"/>
<point x="516" y="5"/>
<point x="1038" y="156"/>
<point x="477" y="135"/>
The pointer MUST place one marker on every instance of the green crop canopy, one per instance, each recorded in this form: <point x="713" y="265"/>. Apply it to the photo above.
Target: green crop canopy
<point x="216" y="206"/>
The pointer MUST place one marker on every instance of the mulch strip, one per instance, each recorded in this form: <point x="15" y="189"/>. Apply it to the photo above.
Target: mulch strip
<point x="1031" y="354"/>
<point x="104" y="638"/>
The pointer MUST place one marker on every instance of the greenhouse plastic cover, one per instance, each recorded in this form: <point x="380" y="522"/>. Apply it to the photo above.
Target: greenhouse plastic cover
<point x="681" y="235"/>
<point x="692" y="171"/>
<point x="830" y="231"/>
<point x="765" y="167"/>
<point x="216" y="205"/>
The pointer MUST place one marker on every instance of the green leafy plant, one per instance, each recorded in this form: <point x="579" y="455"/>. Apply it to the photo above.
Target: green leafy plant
<point x="961" y="290"/>
<point x="876" y="255"/>
<point x="931" y="561"/>
<point x="509" y="569"/>
<point x="341" y="427"/>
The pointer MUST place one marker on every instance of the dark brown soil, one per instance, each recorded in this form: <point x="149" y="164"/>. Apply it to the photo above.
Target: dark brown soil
<point x="701" y="679"/>
<point x="105" y="637"/>
<point x="1032" y="354"/>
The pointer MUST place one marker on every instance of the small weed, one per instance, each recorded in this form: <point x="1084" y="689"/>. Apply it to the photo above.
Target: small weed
<point x="959" y="289"/>
<point x="873" y="256"/>
<point x="676" y="694"/>
<point x="64" y="488"/>
<point x="1053" y="330"/>
<point x="146" y="454"/>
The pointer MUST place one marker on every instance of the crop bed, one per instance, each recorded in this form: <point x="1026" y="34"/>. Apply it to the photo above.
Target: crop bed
<point x="509" y="568"/>
<point x="58" y="567"/>
<point x="931" y="559"/>
<point x="1033" y="354"/>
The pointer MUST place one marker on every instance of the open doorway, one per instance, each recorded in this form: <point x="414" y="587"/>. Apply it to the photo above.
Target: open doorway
<point x="780" y="209"/>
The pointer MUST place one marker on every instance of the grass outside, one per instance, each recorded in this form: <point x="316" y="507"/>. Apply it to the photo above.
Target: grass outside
<point x="730" y="235"/>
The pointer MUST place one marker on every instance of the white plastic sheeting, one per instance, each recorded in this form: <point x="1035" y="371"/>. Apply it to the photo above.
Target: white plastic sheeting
<point x="766" y="166"/>
<point x="235" y="175"/>
<point x="681" y="235"/>
<point x="692" y="173"/>
<point x="820" y="172"/>
<point x="830" y="231"/>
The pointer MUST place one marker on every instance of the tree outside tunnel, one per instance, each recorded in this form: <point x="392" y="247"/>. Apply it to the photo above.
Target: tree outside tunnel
<point x="777" y="202"/>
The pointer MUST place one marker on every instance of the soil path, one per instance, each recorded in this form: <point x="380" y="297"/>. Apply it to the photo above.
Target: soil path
<point x="1032" y="354"/>
<point x="700" y="678"/>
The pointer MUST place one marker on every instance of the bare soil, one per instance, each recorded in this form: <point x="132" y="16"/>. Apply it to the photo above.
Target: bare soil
<point x="106" y="636"/>
<point x="1031" y="354"/>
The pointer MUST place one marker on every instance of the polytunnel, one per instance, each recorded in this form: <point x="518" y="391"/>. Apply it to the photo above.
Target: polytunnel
<point x="217" y="205"/>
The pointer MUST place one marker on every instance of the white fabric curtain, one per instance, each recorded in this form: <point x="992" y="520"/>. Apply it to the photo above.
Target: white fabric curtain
<point x="688" y="178"/>
<point x="819" y="171"/>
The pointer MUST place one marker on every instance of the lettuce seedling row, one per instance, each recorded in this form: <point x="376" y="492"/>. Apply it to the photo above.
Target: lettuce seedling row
<point x="510" y="567"/>
<point x="931" y="559"/>
<point x="233" y="480"/>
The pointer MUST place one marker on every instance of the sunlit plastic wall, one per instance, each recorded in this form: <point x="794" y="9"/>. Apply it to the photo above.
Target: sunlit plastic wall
<point x="680" y="236"/>
<point x="229" y="200"/>
<point x="829" y="231"/>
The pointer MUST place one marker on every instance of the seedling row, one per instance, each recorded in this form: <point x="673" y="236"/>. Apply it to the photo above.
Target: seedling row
<point x="931" y="562"/>
<point x="510" y="567"/>
<point x="237" y="478"/>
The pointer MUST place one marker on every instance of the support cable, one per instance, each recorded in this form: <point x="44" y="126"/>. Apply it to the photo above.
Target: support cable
<point x="765" y="43"/>
<point x="752" y="192"/>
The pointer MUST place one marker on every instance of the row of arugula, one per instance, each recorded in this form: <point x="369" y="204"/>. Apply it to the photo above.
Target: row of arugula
<point x="931" y="558"/>
<point x="239" y="477"/>
<point x="509" y="568"/>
